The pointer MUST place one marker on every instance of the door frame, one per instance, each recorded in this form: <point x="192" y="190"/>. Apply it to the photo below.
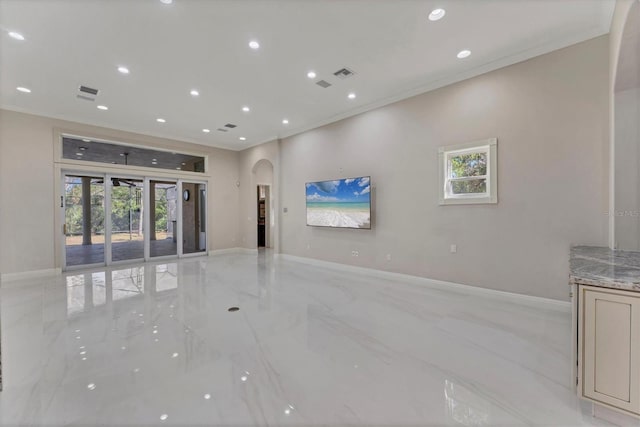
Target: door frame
<point x="206" y="218"/>
<point x="63" y="207"/>
<point x="60" y="174"/>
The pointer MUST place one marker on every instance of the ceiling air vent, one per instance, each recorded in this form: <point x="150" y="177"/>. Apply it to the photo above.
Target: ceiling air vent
<point x="223" y="130"/>
<point x="86" y="98"/>
<point x="344" y="73"/>
<point x="89" y="90"/>
<point x="230" y="126"/>
<point x="323" y="83"/>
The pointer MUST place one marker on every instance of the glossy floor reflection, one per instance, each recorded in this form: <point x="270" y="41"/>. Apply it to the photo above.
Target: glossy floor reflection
<point x="154" y="344"/>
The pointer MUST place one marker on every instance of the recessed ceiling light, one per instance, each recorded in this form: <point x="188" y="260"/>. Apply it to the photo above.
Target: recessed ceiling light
<point x="164" y="417"/>
<point x="16" y="36"/>
<point x="311" y="74"/>
<point x="79" y="154"/>
<point x="285" y="121"/>
<point x="123" y="70"/>
<point x="436" y="14"/>
<point x="254" y="45"/>
<point x="102" y="107"/>
<point x="159" y="120"/>
<point x="463" y="54"/>
<point x="242" y="138"/>
<point x="86" y="139"/>
<point x="194" y="92"/>
<point x="154" y="160"/>
<point x="23" y="89"/>
<point x="207" y="396"/>
<point x="83" y="148"/>
<point x="246" y="109"/>
<point x="183" y="164"/>
<point x="177" y="169"/>
<point x="351" y="96"/>
<point x="154" y="163"/>
<point x="91" y="386"/>
<point x="206" y="130"/>
<point x="166" y="1"/>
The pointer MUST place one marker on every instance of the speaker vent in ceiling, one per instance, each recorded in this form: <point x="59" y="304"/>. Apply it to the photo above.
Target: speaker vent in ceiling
<point x="323" y="83"/>
<point x="223" y="130"/>
<point x="86" y="98"/>
<point x="230" y="126"/>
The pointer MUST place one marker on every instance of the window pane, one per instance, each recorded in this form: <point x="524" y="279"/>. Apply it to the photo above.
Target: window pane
<point x="103" y="152"/>
<point x="472" y="164"/>
<point x="474" y="186"/>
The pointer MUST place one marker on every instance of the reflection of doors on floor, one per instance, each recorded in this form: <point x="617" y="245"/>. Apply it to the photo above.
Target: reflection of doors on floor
<point x="263" y="216"/>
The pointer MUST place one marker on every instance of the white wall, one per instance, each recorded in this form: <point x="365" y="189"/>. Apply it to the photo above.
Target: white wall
<point x="618" y="21"/>
<point x="550" y="115"/>
<point x="627" y="169"/>
<point x="625" y="130"/>
<point x="27" y="189"/>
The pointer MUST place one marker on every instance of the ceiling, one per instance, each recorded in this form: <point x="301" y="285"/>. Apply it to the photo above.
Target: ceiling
<point x="170" y="49"/>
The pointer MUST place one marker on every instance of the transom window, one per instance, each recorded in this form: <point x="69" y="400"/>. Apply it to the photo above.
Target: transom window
<point x="88" y="150"/>
<point x="468" y="173"/>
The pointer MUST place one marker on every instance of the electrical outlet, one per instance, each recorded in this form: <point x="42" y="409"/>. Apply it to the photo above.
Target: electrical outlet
<point x="453" y="249"/>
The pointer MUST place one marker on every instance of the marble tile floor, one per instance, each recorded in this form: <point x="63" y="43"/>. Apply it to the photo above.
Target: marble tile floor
<point x="154" y="344"/>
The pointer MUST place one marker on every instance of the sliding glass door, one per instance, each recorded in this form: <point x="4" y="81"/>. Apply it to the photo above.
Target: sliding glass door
<point x="127" y="231"/>
<point x="83" y="203"/>
<point x="163" y="218"/>
<point x="116" y="218"/>
<point x="194" y="215"/>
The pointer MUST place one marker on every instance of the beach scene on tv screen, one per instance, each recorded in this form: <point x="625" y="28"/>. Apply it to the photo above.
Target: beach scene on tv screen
<point x="341" y="203"/>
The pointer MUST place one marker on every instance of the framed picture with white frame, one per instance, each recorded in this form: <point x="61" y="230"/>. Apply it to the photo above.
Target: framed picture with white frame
<point x="468" y="173"/>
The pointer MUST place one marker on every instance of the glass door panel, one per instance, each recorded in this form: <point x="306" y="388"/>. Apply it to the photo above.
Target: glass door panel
<point x="127" y="233"/>
<point x="163" y="228"/>
<point x="194" y="214"/>
<point x="84" y="220"/>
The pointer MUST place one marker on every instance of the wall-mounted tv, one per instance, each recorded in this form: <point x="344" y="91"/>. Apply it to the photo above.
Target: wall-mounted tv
<point x="343" y="203"/>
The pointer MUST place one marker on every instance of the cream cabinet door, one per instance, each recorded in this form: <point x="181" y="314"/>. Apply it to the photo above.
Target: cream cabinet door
<point x="610" y="347"/>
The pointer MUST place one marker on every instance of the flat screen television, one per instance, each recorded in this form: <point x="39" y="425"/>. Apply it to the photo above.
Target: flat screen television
<point x="342" y="203"/>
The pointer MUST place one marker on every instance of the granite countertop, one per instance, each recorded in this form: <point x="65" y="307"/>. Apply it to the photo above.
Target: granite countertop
<point x="601" y="266"/>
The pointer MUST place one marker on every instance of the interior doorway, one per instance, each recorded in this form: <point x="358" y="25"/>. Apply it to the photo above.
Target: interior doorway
<point x="263" y="216"/>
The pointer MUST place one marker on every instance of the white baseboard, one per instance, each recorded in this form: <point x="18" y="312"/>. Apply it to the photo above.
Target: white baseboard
<point x="528" y="300"/>
<point x="35" y="274"/>
<point x="615" y="417"/>
<point x="245" y="251"/>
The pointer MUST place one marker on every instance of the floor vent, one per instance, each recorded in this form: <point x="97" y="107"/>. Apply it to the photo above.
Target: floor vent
<point x="323" y="83"/>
